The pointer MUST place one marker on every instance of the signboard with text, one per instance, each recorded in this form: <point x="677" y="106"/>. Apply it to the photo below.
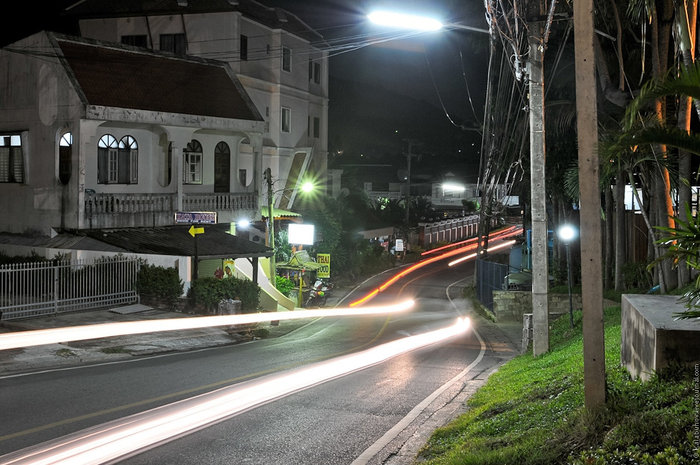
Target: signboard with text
<point x="195" y="217"/>
<point x="325" y="260"/>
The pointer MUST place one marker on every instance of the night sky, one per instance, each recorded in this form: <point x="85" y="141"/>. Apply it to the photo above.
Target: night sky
<point x="426" y="68"/>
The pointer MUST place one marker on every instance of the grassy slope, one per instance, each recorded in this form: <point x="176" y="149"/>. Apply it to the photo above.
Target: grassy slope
<point x="531" y="412"/>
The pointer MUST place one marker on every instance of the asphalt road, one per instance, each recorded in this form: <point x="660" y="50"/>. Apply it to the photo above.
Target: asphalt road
<point x="332" y="422"/>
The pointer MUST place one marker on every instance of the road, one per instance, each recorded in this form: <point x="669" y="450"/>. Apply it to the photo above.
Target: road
<point x="330" y="422"/>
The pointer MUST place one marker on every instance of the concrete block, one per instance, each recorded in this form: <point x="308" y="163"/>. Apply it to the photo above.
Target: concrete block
<point x="652" y="338"/>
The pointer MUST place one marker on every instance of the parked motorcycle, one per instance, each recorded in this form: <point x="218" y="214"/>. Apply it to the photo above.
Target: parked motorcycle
<point x="318" y="294"/>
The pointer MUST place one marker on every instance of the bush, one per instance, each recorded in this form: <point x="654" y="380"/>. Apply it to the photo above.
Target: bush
<point x="284" y="285"/>
<point x="210" y="291"/>
<point x="157" y="282"/>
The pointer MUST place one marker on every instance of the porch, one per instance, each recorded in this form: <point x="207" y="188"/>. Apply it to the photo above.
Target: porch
<point x="111" y="210"/>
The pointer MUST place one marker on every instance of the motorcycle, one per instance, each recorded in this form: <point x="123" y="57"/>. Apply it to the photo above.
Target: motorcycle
<point x="318" y="294"/>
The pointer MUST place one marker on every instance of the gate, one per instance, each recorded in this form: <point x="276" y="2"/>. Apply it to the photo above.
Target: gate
<point x="49" y="287"/>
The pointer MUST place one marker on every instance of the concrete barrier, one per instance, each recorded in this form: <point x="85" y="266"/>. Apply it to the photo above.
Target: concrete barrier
<point x="652" y="338"/>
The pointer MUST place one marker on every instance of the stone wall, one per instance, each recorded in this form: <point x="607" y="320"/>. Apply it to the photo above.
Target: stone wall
<point x="512" y="305"/>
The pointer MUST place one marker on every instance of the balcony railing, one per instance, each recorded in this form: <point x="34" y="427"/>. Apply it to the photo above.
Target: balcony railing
<point x="143" y="210"/>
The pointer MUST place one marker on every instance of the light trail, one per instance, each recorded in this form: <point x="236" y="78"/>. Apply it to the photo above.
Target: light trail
<point x="492" y="236"/>
<point x="490" y="249"/>
<point x="128" y="436"/>
<point x="502" y="234"/>
<point x="80" y="333"/>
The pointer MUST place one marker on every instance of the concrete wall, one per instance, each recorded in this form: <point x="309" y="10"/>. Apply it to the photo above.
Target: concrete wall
<point x="652" y="338"/>
<point x="512" y="305"/>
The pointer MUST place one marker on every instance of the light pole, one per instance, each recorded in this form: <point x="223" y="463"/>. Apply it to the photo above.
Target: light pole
<point x="567" y="233"/>
<point x="306" y="187"/>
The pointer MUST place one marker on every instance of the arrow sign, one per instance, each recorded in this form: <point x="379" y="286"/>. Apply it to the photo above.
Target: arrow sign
<point x="194" y="231"/>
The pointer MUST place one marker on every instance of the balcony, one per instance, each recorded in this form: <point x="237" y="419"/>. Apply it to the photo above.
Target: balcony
<point x="150" y="210"/>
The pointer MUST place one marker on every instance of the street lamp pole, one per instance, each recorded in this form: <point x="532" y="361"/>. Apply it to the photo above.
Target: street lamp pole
<point x="567" y="233"/>
<point x="271" y="228"/>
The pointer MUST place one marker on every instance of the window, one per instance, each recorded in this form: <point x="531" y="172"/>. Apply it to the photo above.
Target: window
<point x="317" y="73"/>
<point x="192" y="163"/>
<point x="117" y="162"/>
<point x="286" y="123"/>
<point x="65" y="155"/>
<point x="317" y="127"/>
<point x="174" y="43"/>
<point x="244" y="47"/>
<point x="128" y="161"/>
<point x="135" y="40"/>
<point x="286" y="59"/>
<point x="11" y="161"/>
<point x="242" y="177"/>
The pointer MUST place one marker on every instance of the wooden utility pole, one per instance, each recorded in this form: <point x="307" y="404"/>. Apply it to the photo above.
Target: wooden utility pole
<point x="538" y="207"/>
<point x="588" y="165"/>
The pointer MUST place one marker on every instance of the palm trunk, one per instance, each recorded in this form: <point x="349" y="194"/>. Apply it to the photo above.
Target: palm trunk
<point x="620" y="245"/>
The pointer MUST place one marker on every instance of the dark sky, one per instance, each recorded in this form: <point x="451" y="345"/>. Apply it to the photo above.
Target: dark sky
<point x="416" y="66"/>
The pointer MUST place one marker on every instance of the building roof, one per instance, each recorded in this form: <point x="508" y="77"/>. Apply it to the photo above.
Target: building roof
<point x="274" y="18"/>
<point x="216" y="242"/>
<point x="117" y="76"/>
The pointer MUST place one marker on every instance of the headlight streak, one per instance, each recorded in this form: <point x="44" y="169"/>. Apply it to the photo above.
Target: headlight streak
<point x="81" y="333"/>
<point x="502" y="234"/>
<point x="135" y="433"/>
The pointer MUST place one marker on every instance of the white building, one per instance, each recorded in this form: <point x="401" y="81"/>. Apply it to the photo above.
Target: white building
<point x="276" y="57"/>
<point x="97" y="135"/>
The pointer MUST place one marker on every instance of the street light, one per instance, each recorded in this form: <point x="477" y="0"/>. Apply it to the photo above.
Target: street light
<point x="306" y="187"/>
<point x="567" y="233"/>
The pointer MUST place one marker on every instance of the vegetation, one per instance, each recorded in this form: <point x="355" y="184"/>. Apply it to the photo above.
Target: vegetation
<point x="157" y="282"/>
<point x="531" y="412"/>
<point x="209" y="291"/>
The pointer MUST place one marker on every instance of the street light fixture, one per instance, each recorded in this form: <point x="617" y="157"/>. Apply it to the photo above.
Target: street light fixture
<point x="306" y="187"/>
<point x="567" y="233"/>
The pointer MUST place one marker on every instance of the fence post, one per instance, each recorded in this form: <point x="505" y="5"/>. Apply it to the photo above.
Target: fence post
<point x="55" y="289"/>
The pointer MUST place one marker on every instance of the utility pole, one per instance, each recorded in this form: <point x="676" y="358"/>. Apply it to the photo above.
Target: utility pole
<point x="408" y="182"/>
<point x="271" y="228"/>
<point x="588" y="165"/>
<point x="538" y="207"/>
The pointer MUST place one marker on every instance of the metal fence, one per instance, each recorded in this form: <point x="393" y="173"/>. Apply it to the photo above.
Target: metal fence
<point x="489" y="277"/>
<point x="44" y="288"/>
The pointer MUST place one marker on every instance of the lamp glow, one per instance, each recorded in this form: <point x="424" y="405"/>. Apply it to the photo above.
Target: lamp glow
<point x="404" y="21"/>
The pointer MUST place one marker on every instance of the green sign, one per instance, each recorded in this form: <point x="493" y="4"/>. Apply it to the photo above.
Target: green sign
<point x="323" y="259"/>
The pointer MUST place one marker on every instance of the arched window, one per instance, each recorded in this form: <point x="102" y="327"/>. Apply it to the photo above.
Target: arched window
<point x="107" y="159"/>
<point x="128" y="161"/>
<point x="117" y="162"/>
<point x="192" y="163"/>
<point x="222" y="168"/>
<point x="65" y="158"/>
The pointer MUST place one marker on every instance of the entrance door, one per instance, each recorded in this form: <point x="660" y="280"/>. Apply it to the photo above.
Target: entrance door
<point x="222" y="168"/>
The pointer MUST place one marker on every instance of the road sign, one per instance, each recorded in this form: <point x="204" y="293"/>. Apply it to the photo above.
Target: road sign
<point x="399" y="245"/>
<point x="194" y="231"/>
<point x="195" y="217"/>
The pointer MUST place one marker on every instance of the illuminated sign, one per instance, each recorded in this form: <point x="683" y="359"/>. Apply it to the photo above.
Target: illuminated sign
<point x="301" y="234"/>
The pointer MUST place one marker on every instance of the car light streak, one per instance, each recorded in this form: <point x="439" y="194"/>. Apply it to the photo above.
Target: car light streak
<point x="135" y="433"/>
<point x="490" y="249"/>
<point x="81" y="333"/>
<point x="502" y="234"/>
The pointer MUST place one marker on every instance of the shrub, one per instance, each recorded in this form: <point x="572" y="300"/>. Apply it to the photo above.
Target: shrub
<point x="284" y="285"/>
<point x="210" y="291"/>
<point x="157" y="282"/>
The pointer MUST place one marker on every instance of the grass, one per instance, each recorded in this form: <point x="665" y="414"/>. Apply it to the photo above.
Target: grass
<point x="531" y="412"/>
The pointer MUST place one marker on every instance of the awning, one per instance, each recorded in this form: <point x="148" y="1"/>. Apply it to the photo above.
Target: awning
<point x="301" y="261"/>
<point x="278" y="212"/>
<point x="215" y="242"/>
